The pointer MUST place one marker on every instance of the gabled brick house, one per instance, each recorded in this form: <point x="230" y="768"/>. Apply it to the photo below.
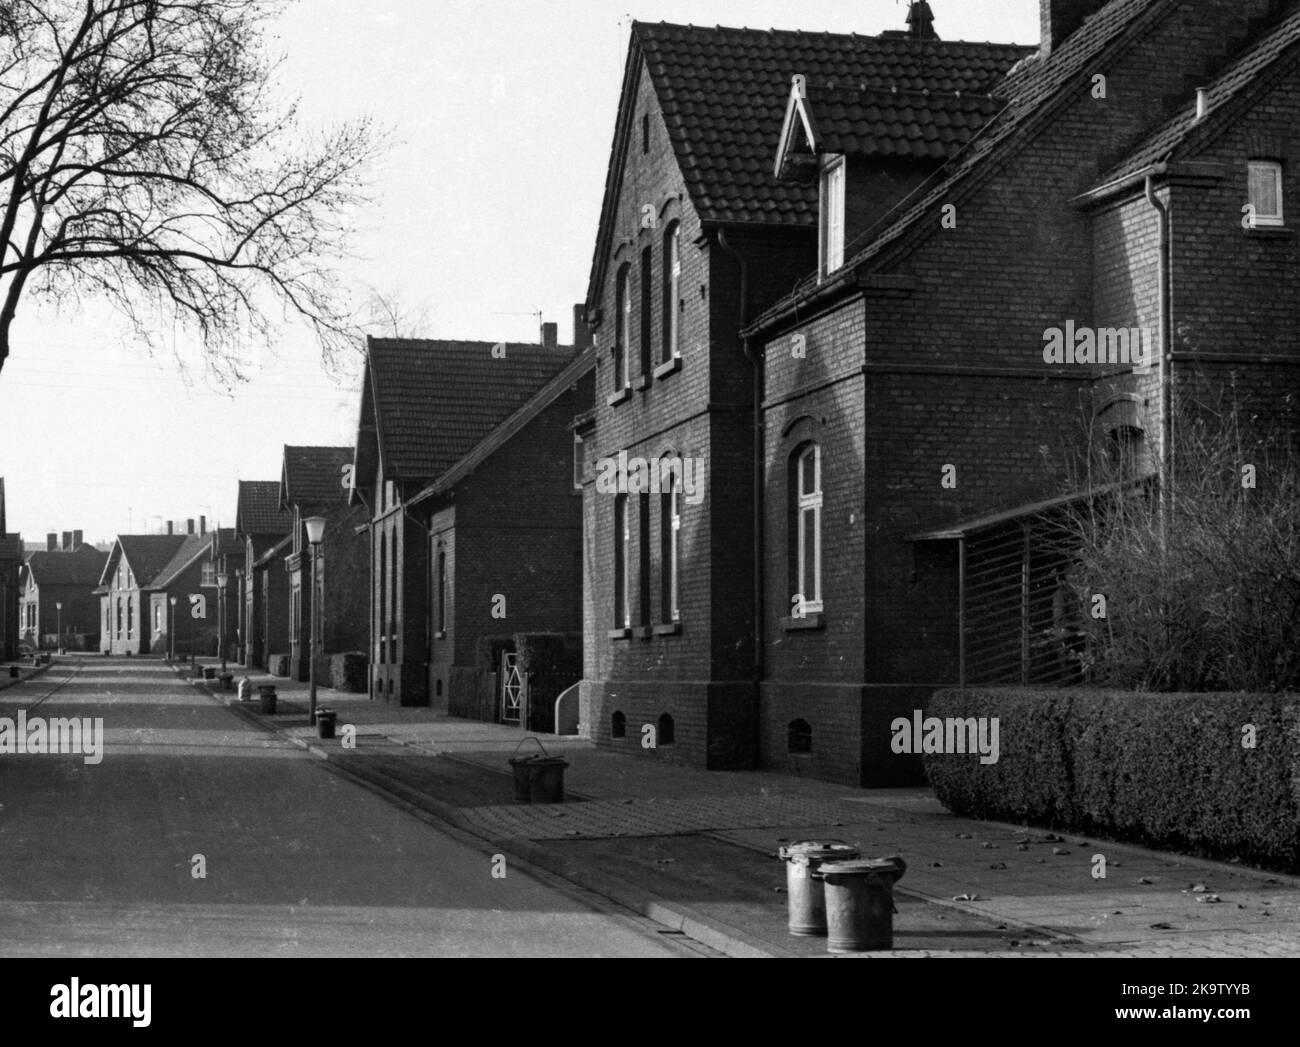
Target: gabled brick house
<point x="67" y="577"/>
<point x="126" y="587"/>
<point x="315" y="481"/>
<point x="196" y="622"/>
<point x="426" y="408"/>
<point x="11" y="558"/>
<point x="697" y="236"/>
<point x="260" y="524"/>
<point x="917" y="421"/>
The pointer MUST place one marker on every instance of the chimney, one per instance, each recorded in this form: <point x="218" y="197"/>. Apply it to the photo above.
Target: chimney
<point x="189" y="526"/>
<point x="581" y="332"/>
<point x="51" y="543"/>
<point x="78" y="539"/>
<point x="203" y="525"/>
<point x="171" y="527"/>
<point x="550" y="336"/>
<point x="1060" y="18"/>
<point x="67" y="541"/>
<point x="920" y="22"/>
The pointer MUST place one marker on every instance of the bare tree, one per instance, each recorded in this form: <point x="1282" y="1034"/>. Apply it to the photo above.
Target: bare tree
<point x="144" y="159"/>
<point x="390" y="315"/>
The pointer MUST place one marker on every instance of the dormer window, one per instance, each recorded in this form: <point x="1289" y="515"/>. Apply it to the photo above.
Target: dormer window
<point x="832" y="216"/>
<point x="1265" y="191"/>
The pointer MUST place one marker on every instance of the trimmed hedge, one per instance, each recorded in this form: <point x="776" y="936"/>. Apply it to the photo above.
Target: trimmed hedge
<point x="349" y="672"/>
<point x="1163" y="770"/>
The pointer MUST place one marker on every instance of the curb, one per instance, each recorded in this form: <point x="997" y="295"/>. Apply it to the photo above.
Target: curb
<point x="718" y="936"/>
<point x="38" y="670"/>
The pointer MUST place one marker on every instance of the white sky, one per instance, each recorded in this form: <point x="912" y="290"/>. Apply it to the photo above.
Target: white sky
<point x="486" y="206"/>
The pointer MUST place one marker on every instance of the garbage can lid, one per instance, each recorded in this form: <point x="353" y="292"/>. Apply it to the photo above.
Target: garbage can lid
<point x="818" y="850"/>
<point x="547" y="761"/>
<point x="891" y="868"/>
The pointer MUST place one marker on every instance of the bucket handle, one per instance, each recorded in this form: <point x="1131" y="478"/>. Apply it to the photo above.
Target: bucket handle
<point x="530" y="739"/>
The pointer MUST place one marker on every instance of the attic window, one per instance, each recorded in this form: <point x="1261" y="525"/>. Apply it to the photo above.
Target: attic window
<point x="1265" y="191"/>
<point x="832" y="216"/>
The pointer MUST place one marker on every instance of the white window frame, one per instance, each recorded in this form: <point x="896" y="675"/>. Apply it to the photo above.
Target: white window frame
<point x="674" y="546"/>
<point x="672" y="348"/>
<point x="1274" y="169"/>
<point x="812" y="595"/>
<point x="833" y="179"/>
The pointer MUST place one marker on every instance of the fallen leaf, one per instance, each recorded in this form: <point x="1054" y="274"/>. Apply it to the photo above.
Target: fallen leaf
<point x="965" y="836"/>
<point x="1198" y="888"/>
<point x="1059" y="850"/>
<point x="1162" y="927"/>
<point x="989" y="846"/>
<point x="936" y="865"/>
<point x="1209" y="899"/>
<point x="965" y="897"/>
<point x="1023" y="847"/>
<point x="1145" y="880"/>
<point x="998" y="865"/>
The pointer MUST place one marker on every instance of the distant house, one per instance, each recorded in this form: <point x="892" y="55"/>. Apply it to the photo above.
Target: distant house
<point x="272" y="608"/>
<point x="58" y="594"/>
<point x="126" y="588"/>
<point x="226" y="561"/>
<point x="261" y="525"/>
<point x="315" y="481"/>
<point x="434" y="414"/>
<point x="189" y="579"/>
<point x="11" y="558"/>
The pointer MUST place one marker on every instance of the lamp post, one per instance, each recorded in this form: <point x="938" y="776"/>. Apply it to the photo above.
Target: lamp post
<point x="58" y="607"/>
<point x="171" y="632"/>
<point x="222" y="579"/>
<point x="315" y="532"/>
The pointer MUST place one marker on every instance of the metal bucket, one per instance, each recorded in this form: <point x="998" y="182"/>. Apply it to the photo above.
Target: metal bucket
<point x="860" y="903"/>
<point x="519" y="768"/>
<point x="803" y="882"/>
<point x="268" y="694"/>
<point x="546" y="779"/>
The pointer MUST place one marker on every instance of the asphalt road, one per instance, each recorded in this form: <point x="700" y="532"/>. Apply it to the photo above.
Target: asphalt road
<point x="101" y="860"/>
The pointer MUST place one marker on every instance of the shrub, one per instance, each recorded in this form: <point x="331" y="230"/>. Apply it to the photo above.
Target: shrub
<point x="349" y="672"/>
<point x="1167" y="770"/>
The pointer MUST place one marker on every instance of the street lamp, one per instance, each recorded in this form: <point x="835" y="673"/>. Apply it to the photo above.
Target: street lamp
<point x="222" y="579"/>
<point x="58" y="606"/>
<point x="171" y="632"/>
<point x="315" y="532"/>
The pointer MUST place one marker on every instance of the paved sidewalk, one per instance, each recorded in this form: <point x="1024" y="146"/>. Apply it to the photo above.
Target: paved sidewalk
<point x="696" y="849"/>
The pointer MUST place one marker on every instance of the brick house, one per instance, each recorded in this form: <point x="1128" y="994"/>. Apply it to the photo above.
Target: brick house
<point x="434" y="415"/>
<point x="226" y="556"/>
<point x="315" y="481"/>
<point x="274" y="608"/>
<point x="189" y="578"/>
<point x="126" y="588"/>
<point x="11" y="558"/>
<point x="260" y="524"/>
<point x="66" y="576"/>
<point x="917" y="422"/>
<point x="697" y="236"/>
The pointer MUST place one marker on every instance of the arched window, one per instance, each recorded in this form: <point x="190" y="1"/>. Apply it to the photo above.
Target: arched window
<point x="647" y="310"/>
<point x="672" y="279"/>
<point x="381" y="612"/>
<point x="799" y="737"/>
<point x="622" y="557"/>
<point x="667" y="730"/>
<point x="806" y="550"/>
<point x="622" y="325"/>
<point x="670" y="529"/>
<point x="618" y="726"/>
<point x="442" y="592"/>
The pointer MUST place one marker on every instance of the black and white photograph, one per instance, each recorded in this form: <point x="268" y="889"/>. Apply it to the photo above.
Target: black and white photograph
<point x="726" y="479"/>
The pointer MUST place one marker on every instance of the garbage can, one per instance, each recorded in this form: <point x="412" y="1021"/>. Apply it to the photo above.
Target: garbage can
<point x="13" y="672"/>
<point x="803" y="882"/>
<point x="325" y="721"/>
<point x="546" y="779"/>
<point x="209" y="672"/>
<point x="860" y="903"/>
<point x="519" y="768"/>
<point x="227" y="681"/>
<point x="267" y="691"/>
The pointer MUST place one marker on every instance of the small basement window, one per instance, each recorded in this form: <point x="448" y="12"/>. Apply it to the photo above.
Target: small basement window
<point x="618" y="726"/>
<point x="1265" y="191"/>
<point x="800" y="737"/>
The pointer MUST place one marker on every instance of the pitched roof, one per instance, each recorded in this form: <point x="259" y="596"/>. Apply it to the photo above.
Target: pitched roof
<point x="224" y="543"/>
<point x="431" y="401"/>
<point x="147" y="554"/>
<point x="258" y="510"/>
<point x="313" y="476"/>
<point x="512" y="426"/>
<point x="83" y="566"/>
<point x="724" y="91"/>
<point x="194" y="547"/>
<point x="1033" y="92"/>
<point x="276" y="551"/>
<point x="1184" y="132"/>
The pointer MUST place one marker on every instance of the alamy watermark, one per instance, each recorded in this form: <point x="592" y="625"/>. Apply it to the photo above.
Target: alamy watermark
<point x="1133" y="346"/>
<point x="624" y="475"/>
<point x="931" y="735"/>
<point x="37" y="736"/>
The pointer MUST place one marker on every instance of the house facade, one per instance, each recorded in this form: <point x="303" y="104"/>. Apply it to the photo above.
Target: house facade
<point x="424" y="412"/>
<point x="315" y="481"/>
<point x="261" y="525"/>
<point x="921" y="411"/>
<point x="194" y="619"/>
<point x="126" y="589"/>
<point x="58" y="594"/>
<point x="697" y="237"/>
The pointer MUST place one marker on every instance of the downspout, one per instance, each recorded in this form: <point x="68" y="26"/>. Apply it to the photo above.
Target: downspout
<point x="757" y="364"/>
<point x="1164" y="342"/>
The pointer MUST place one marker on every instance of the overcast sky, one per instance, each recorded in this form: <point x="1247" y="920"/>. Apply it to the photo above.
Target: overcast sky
<point x="485" y="213"/>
